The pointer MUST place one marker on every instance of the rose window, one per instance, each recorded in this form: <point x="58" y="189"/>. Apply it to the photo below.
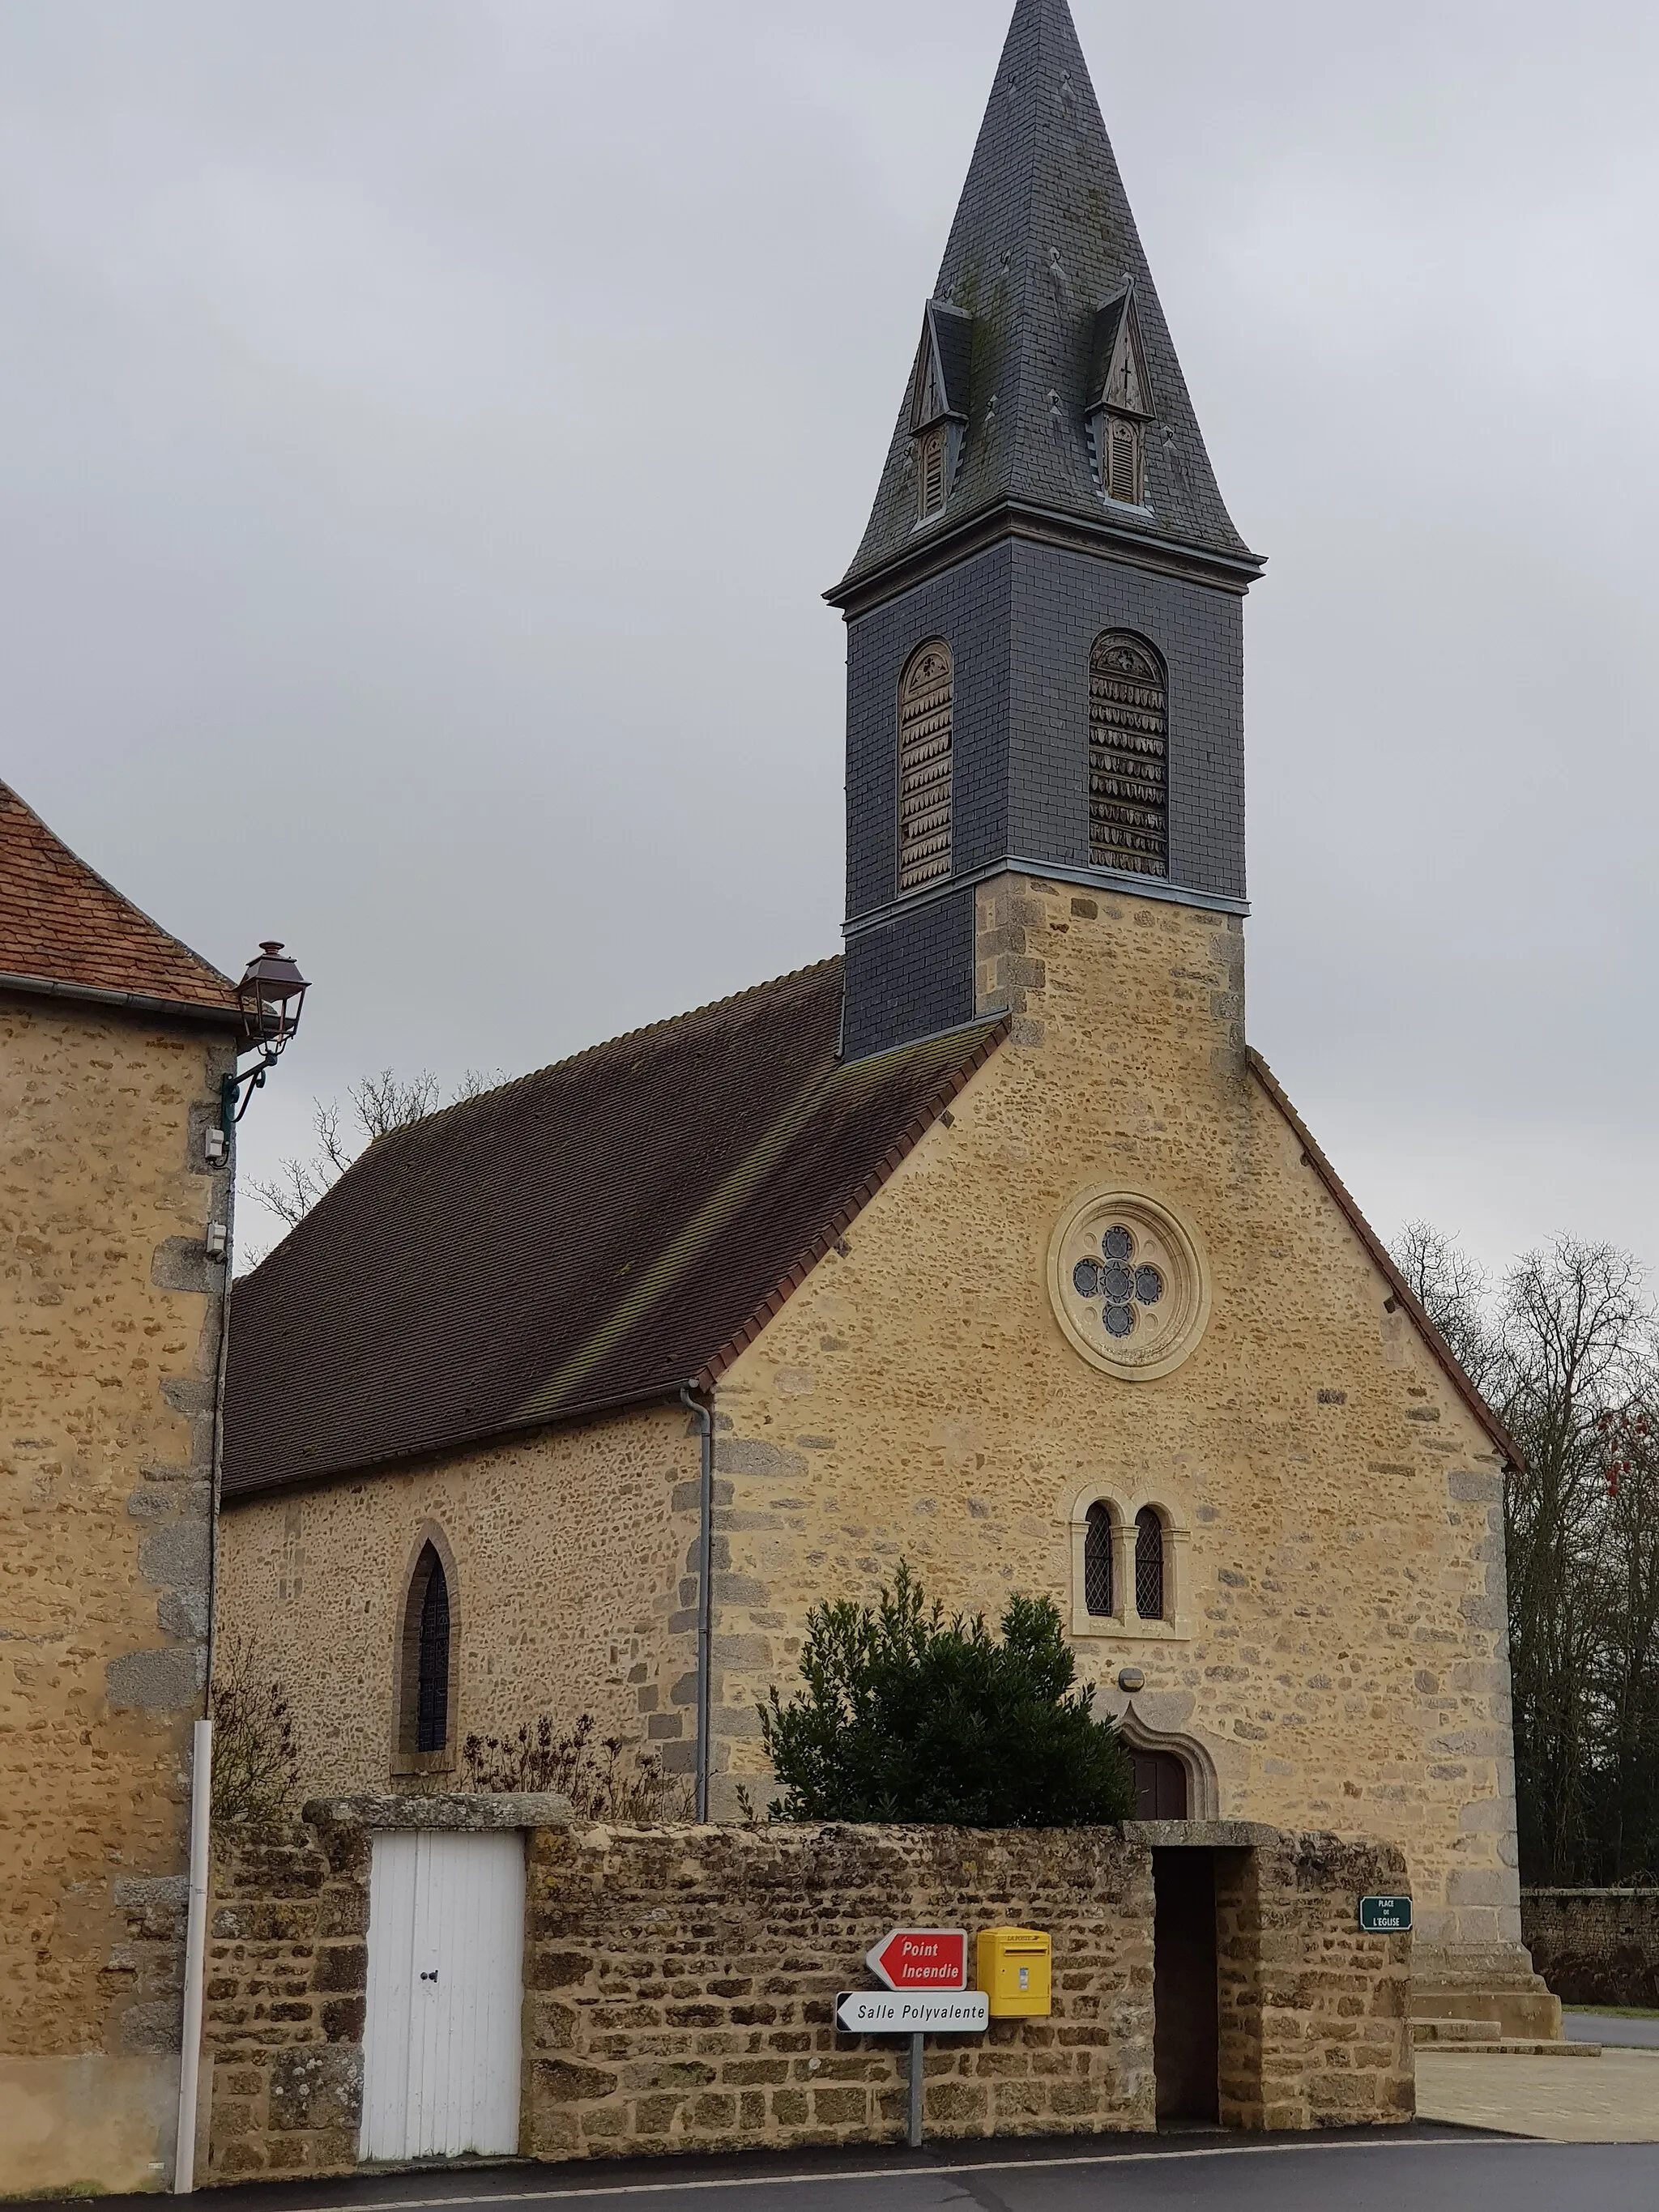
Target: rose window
<point x="1128" y="1283"/>
<point x="1125" y="1289"/>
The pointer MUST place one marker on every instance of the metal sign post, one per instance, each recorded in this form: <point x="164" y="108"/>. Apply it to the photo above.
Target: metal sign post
<point x="913" y="2012"/>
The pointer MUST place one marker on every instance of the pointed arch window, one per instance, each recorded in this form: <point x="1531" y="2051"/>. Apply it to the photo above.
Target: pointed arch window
<point x="426" y="1669"/>
<point x="1128" y="755"/>
<point x="925" y="707"/>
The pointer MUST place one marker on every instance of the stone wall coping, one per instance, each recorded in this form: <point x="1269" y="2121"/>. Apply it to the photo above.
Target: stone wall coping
<point x="1205" y="1835"/>
<point x="1591" y="1892"/>
<point x="452" y="1811"/>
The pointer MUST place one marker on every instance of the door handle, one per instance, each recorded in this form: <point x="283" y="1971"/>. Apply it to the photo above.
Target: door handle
<point x="432" y="1976"/>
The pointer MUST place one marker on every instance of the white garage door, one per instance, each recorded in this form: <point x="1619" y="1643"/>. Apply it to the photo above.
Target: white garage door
<point x="441" y="2037"/>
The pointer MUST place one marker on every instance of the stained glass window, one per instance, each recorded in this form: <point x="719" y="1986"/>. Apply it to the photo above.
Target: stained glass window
<point x="1123" y="1288"/>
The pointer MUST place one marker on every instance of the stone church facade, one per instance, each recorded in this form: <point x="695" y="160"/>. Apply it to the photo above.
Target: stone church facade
<point x="990" y="1246"/>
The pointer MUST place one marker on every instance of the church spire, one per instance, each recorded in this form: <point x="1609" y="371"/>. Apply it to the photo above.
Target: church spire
<point x="1045" y="621"/>
<point x="1050" y="290"/>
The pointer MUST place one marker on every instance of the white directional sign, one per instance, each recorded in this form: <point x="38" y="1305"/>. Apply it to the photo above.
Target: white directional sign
<point x="914" y="2012"/>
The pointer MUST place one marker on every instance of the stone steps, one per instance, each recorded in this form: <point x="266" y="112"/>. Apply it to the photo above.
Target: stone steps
<point x="1457" y="2031"/>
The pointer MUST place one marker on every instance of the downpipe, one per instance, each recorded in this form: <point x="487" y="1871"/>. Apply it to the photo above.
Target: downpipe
<point x="703" y="1416"/>
<point x="189" y="2053"/>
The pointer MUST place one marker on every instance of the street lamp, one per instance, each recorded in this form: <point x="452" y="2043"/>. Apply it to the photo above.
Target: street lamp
<point x="270" y="998"/>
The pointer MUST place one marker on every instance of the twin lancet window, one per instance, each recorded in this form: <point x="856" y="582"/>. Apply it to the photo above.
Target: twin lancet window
<point x="1129" y="761"/>
<point x="1099" y="1570"/>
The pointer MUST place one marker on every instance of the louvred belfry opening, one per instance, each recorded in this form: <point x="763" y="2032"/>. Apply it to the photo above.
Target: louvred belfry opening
<point x="1129" y="757"/>
<point x="924" y="769"/>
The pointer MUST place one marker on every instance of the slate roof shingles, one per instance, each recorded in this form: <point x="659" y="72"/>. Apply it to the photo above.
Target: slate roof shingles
<point x="1044" y="237"/>
<point x="589" y="1236"/>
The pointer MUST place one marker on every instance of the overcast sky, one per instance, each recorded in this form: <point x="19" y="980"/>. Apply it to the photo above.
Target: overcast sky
<point x="427" y="427"/>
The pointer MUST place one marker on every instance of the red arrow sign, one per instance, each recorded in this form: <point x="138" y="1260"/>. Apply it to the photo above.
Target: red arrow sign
<point x="921" y="1958"/>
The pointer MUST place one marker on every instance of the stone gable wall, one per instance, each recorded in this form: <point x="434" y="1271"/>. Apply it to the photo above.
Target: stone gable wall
<point x="1340" y="1661"/>
<point x="109" y="1334"/>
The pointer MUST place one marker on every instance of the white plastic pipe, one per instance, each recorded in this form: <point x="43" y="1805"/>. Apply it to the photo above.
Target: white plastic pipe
<point x="190" y="2049"/>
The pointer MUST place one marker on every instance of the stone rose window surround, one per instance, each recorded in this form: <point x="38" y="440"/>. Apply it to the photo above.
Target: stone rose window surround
<point x="1128" y="1283"/>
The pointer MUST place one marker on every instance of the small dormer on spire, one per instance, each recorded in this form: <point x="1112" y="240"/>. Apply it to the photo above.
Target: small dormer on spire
<point x="1118" y="403"/>
<point x="939" y="406"/>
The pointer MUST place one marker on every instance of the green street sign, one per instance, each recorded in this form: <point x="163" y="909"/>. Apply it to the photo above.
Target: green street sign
<point x="1385" y="1916"/>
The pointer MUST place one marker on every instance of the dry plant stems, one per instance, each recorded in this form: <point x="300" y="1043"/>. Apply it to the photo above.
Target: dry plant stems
<point x="606" y="1780"/>
<point x="256" y="1759"/>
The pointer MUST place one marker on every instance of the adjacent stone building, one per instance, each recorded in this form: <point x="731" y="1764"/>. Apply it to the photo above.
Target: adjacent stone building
<point x="114" y="1039"/>
<point x="990" y="1245"/>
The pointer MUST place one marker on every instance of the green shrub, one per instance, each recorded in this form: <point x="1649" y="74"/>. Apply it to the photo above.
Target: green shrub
<point x="908" y="1717"/>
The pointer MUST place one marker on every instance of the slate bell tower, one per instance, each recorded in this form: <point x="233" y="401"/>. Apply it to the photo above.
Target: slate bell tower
<point x="1045" y="666"/>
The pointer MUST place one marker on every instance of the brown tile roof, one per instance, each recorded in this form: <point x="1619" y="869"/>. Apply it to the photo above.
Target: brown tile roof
<point x="587" y="1237"/>
<point x="1315" y="1158"/>
<point x="63" y="928"/>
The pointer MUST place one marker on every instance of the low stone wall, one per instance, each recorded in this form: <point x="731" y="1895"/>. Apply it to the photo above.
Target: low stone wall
<point x="679" y="1983"/>
<point x="1594" y="1946"/>
<point x="283" y="2012"/>
<point x="1314" y="2031"/>
<point x="682" y="1985"/>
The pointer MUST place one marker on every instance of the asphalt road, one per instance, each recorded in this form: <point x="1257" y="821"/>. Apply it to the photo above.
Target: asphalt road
<point x="1609" y="2027"/>
<point x="1426" y="2168"/>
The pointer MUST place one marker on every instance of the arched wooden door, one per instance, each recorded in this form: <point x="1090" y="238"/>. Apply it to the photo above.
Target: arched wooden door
<point x="1160" y="1786"/>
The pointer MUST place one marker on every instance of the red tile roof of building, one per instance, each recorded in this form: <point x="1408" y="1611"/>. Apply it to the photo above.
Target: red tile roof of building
<point x="64" y="929"/>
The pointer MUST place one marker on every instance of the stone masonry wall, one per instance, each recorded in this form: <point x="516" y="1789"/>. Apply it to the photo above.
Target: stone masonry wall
<point x="1336" y="1654"/>
<point x="1595" y="1946"/>
<point x="287" y="1964"/>
<point x="1315" y="2032"/>
<point x="574" y="1590"/>
<point x="679" y="1984"/>
<point x="682" y="1985"/>
<point x="109" y="1331"/>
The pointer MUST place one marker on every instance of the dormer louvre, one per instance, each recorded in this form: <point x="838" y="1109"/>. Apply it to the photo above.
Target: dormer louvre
<point x="938" y="405"/>
<point x="1119" y="402"/>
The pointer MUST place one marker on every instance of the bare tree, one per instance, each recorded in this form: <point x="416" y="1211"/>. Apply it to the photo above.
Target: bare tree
<point x="379" y="1104"/>
<point x="1454" y="1291"/>
<point x="1576" y="1343"/>
<point x="1564" y="1351"/>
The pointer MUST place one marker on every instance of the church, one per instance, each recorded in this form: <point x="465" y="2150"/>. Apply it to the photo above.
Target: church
<point x="990" y="1245"/>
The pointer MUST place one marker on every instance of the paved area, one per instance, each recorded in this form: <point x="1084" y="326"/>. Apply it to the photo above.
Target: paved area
<point x="1433" y="2170"/>
<point x="1614" y="2099"/>
<point x="1611" y="2028"/>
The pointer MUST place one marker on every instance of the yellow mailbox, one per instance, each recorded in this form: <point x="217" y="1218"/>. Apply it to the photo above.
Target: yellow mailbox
<point x="1014" y="1971"/>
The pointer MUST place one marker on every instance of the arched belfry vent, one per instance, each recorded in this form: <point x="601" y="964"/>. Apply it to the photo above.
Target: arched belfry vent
<point x="938" y="405"/>
<point x="924" y="768"/>
<point x="1128" y="756"/>
<point x="1119" y="402"/>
